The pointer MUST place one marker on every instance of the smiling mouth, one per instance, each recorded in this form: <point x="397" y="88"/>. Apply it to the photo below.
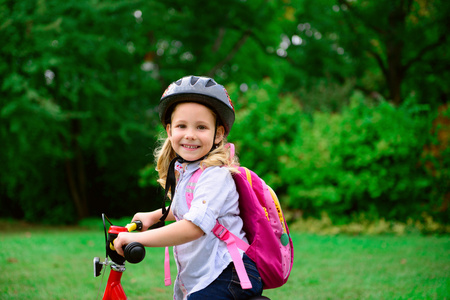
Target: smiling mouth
<point x="191" y="147"/>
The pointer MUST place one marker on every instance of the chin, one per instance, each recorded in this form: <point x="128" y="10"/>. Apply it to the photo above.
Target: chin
<point x="193" y="157"/>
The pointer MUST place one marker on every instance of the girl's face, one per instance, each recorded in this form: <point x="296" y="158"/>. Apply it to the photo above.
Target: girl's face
<point x="191" y="131"/>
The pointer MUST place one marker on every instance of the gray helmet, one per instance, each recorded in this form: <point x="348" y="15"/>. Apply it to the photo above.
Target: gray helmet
<point x="203" y="90"/>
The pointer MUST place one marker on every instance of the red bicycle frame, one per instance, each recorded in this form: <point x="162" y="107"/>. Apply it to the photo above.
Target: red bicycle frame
<point x="134" y="253"/>
<point x="114" y="290"/>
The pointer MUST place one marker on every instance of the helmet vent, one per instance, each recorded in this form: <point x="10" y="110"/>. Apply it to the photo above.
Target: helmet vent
<point x="178" y="82"/>
<point x="210" y="83"/>
<point x="194" y="80"/>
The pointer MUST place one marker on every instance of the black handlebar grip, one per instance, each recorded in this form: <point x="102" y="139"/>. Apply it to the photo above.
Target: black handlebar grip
<point x="134" y="252"/>
<point x="138" y="225"/>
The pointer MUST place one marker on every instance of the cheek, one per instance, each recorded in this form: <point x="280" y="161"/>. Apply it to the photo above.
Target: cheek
<point x="176" y="136"/>
<point x="173" y="137"/>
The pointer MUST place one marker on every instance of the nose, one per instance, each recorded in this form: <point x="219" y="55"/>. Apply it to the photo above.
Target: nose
<point x="190" y="135"/>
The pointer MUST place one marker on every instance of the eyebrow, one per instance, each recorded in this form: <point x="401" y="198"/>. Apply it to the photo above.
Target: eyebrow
<point x="196" y="122"/>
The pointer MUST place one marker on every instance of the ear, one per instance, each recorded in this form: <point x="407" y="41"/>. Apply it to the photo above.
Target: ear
<point x="220" y="133"/>
<point x="169" y="133"/>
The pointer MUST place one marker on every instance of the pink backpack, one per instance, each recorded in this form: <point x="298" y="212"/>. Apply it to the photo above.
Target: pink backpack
<point x="265" y="227"/>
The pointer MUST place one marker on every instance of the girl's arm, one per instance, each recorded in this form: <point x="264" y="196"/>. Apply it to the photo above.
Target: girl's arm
<point x="171" y="235"/>
<point x="150" y="218"/>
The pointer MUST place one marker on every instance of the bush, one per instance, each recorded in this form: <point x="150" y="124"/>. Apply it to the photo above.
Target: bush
<point x="436" y="160"/>
<point x="366" y="159"/>
<point x="362" y="160"/>
<point x="264" y="131"/>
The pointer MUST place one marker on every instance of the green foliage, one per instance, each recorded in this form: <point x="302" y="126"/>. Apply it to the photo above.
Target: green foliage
<point x="436" y="160"/>
<point x="71" y="109"/>
<point x="265" y="129"/>
<point x="80" y="82"/>
<point x="389" y="47"/>
<point x="365" y="159"/>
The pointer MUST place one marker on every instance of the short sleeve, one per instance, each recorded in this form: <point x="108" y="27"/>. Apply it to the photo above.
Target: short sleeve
<point x="212" y="195"/>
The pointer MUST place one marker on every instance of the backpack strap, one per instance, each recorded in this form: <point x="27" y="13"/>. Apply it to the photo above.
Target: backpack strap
<point x="231" y="147"/>
<point x="191" y="186"/>
<point x="189" y="197"/>
<point x="233" y="243"/>
<point x="167" y="279"/>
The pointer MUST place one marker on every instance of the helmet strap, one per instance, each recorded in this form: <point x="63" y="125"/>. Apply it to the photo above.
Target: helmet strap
<point x="214" y="146"/>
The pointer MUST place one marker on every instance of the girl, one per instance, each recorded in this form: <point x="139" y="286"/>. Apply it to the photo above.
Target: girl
<point x="197" y="114"/>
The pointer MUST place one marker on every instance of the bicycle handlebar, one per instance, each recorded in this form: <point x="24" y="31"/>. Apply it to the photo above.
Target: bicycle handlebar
<point x="133" y="226"/>
<point x="134" y="252"/>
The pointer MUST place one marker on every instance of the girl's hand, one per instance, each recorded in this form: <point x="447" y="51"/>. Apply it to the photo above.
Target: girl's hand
<point x="150" y="218"/>
<point x="123" y="239"/>
<point x="147" y="219"/>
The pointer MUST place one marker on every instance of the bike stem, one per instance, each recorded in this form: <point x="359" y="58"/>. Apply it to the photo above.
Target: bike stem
<point x="114" y="290"/>
<point x="134" y="252"/>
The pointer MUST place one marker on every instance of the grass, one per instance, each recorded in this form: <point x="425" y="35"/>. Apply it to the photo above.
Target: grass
<point x="56" y="263"/>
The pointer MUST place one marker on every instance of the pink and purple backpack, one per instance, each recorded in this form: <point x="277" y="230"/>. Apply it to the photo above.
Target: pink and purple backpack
<point x="265" y="227"/>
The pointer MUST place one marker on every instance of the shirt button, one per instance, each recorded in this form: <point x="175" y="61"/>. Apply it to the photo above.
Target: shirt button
<point x="204" y="201"/>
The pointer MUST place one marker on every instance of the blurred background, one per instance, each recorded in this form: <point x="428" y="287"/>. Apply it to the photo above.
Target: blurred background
<point x="342" y="105"/>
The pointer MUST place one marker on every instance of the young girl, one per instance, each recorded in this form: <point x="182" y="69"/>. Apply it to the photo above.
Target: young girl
<point x="197" y="114"/>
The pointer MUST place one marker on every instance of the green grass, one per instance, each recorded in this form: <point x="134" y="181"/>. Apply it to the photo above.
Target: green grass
<point x="56" y="263"/>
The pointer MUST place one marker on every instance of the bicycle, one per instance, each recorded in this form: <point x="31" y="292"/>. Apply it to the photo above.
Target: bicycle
<point x="134" y="253"/>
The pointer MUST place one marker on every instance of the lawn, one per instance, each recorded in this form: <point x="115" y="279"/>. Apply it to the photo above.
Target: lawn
<point x="56" y="263"/>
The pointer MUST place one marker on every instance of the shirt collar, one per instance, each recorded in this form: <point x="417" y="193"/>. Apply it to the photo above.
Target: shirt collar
<point x="188" y="168"/>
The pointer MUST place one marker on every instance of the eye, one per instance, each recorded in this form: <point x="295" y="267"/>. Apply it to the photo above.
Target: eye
<point x="202" y="127"/>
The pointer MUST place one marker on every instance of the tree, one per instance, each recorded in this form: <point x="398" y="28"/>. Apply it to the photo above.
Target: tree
<point x="72" y="93"/>
<point x="407" y="33"/>
<point x="404" y="42"/>
<point x="81" y="81"/>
